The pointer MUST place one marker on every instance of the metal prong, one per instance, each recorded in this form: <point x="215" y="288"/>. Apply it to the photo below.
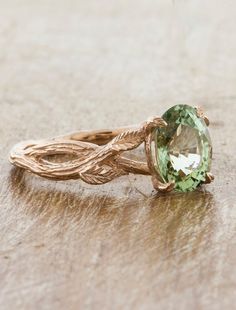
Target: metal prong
<point x="154" y="122"/>
<point x="209" y="178"/>
<point x="206" y="120"/>
<point x="201" y="114"/>
<point x="162" y="187"/>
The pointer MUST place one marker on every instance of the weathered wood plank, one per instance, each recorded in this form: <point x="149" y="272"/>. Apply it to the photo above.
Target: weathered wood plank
<point x="94" y="64"/>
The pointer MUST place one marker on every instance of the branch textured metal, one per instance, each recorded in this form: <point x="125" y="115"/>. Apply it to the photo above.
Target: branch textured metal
<point x="96" y="155"/>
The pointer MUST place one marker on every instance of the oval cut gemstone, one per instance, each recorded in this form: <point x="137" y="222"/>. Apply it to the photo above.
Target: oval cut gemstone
<point x="183" y="149"/>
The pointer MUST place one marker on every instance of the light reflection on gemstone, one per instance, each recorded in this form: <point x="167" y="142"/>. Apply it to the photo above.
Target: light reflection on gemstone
<point x="185" y="164"/>
<point x="184" y="149"/>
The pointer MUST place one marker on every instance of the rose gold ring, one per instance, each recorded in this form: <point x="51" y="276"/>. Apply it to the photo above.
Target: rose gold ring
<point x="96" y="157"/>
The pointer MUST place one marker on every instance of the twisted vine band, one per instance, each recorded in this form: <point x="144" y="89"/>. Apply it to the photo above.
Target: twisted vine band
<point x="98" y="156"/>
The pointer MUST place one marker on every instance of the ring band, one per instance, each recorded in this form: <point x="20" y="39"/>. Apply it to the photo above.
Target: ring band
<point x="98" y="157"/>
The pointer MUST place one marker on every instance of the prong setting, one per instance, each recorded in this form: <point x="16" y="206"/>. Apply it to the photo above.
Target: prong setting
<point x="209" y="178"/>
<point x="201" y="114"/>
<point x="162" y="187"/>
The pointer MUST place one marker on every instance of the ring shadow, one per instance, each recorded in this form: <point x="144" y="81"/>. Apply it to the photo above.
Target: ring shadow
<point x="161" y="225"/>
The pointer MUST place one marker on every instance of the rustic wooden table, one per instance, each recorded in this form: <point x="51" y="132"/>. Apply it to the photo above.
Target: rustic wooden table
<point x="68" y="65"/>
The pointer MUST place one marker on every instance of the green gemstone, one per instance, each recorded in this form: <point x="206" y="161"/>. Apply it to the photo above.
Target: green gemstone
<point x="183" y="149"/>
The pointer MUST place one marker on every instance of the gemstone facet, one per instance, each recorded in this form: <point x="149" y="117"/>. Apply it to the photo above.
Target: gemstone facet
<point x="182" y="150"/>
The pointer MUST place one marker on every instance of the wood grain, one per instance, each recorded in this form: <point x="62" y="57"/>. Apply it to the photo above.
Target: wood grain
<point x="69" y="65"/>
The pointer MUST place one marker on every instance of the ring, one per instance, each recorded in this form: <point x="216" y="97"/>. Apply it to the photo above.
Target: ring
<point x="178" y="152"/>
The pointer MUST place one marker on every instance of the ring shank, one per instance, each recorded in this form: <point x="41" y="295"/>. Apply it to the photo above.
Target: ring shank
<point x="99" y="137"/>
<point x="96" y="155"/>
<point x="104" y="136"/>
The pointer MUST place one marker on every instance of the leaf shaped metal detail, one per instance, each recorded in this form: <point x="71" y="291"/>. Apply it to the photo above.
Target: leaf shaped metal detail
<point x="94" y="164"/>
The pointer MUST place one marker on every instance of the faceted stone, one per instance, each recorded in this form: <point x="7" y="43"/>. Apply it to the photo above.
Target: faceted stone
<point x="183" y="149"/>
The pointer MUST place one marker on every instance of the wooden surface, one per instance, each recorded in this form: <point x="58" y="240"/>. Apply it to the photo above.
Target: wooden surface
<point x="68" y="65"/>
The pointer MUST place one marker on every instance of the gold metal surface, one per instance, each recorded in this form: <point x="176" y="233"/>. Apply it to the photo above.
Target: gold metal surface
<point x="97" y="154"/>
